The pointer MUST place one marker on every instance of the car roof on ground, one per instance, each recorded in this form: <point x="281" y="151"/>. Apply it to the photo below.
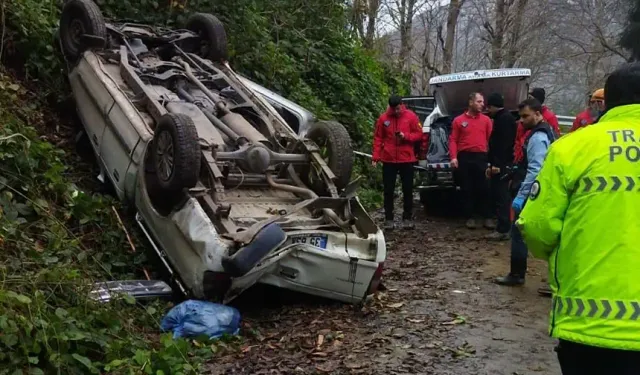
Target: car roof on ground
<point x="480" y="74"/>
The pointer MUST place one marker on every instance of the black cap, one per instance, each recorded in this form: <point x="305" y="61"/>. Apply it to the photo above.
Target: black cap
<point x="495" y="100"/>
<point x="395" y="101"/>
<point x="539" y="94"/>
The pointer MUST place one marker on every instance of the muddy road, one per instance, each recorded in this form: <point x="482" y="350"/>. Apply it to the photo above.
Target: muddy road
<point x="440" y="314"/>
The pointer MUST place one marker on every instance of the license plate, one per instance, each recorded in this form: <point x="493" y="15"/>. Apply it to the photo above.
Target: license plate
<point x="317" y="240"/>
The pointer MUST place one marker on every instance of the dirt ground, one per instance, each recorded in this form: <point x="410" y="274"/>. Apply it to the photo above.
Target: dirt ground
<point x="440" y="314"/>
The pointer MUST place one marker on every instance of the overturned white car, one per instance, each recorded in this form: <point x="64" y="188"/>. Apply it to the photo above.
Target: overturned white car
<point x="226" y="191"/>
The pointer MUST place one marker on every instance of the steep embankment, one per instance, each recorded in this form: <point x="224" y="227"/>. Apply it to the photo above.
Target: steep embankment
<point x="55" y="241"/>
<point x="57" y="238"/>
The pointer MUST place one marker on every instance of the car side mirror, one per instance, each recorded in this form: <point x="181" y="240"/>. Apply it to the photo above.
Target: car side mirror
<point x="92" y="41"/>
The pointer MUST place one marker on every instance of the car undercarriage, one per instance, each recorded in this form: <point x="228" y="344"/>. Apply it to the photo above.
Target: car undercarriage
<point x="212" y="140"/>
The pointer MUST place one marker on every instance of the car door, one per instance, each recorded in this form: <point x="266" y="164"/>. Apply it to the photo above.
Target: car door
<point x="92" y="100"/>
<point x="119" y="140"/>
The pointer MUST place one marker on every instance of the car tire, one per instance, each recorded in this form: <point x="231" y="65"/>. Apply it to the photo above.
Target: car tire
<point x="333" y="138"/>
<point x="80" y="17"/>
<point x="176" y="153"/>
<point x="213" y="43"/>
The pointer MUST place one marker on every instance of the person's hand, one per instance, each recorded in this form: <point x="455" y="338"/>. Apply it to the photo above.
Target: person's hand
<point x="400" y="135"/>
<point x="454" y="163"/>
<point x="517" y="204"/>
<point x="491" y="171"/>
<point x="374" y="163"/>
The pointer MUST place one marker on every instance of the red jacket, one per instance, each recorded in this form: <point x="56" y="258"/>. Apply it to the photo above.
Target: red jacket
<point x="469" y="133"/>
<point x="582" y="119"/>
<point x="551" y="119"/>
<point x="521" y="134"/>
<point x="389" y="148"/>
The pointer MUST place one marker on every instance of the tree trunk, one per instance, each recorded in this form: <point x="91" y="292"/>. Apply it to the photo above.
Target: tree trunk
<point x="497" y="34"/>
<point x="449" y="44"/>
<point x="357" y="18"/>
<point x="515" y="35"/>
<point x="406" y="10"/>
<point x="373" y="7"/>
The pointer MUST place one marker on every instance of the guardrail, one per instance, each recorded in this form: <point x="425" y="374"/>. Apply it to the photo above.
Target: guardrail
<point x="369" y="156"/>
<point x="565" y="123"/>
<point x="362" y="154"/>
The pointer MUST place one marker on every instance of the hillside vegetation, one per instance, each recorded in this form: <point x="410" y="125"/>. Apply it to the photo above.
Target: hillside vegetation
<point x="57" y="239"/>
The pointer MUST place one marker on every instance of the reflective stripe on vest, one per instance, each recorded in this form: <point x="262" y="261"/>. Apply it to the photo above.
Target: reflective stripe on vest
<point x="597" y="308"/>
<point x="599" y="184"/>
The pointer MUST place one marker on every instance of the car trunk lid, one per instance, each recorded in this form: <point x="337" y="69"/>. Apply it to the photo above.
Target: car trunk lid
<point x="451" y="91"/>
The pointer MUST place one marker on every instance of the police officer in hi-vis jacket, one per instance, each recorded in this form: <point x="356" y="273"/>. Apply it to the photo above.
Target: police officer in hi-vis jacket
<point x="583" y="217"/>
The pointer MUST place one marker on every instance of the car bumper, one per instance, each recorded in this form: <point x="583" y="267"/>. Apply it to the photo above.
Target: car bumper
<point x="435" y="176"/>
<point x="343" y="272"/>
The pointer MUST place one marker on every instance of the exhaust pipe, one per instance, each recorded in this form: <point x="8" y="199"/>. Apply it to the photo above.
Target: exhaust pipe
<point x="240" y="125"/>
<point x="234" y="121"/>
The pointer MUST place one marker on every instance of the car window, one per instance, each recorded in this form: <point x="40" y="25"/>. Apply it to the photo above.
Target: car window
<point x="421" y="105"/>
<point x="292" y="120"/>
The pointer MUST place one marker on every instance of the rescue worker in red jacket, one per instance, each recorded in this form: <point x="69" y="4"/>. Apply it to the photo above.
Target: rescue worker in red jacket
<point x="395" y="135"/>
<point x="591" y="114"/>
<point x="468" y="147"/>
<point x="548" y="116"/>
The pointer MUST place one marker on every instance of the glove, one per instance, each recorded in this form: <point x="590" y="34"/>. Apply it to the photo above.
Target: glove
<point x="517" y="204"/>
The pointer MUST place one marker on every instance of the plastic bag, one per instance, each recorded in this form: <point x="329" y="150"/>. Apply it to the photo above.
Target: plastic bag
<point x="194" y="318"/>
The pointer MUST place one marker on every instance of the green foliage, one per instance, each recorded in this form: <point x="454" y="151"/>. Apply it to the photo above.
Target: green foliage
<point x="301" y="49"/>
<point x="29" y="41"/>
<point x="56" y="240"/>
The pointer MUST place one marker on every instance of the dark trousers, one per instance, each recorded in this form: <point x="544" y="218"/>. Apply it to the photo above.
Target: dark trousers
<point x="501" y="198"/>
<point x="473" y="183"/>
<point x="518" y="250"/>
<point x="578" y="359"/>
<point x="390" y="172"/>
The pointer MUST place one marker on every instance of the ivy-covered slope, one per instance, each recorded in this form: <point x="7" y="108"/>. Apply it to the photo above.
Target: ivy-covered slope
<point x="55" y="241"/>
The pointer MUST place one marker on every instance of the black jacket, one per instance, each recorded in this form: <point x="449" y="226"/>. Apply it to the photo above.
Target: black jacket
<point x="502" y="140"/>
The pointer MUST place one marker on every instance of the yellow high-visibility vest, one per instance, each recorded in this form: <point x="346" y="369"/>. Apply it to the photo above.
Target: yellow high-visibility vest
<point x="583" y="216"/>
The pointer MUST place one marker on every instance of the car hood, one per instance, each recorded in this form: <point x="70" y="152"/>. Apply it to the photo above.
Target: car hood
<point x="451" y="91"/>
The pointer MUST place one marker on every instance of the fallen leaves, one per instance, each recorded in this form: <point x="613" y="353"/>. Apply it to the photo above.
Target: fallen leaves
<point x="458" y="320"/>
<point x="415" y="320"/>
<point x="320" y="341"/>
<point x="396" y="305"/>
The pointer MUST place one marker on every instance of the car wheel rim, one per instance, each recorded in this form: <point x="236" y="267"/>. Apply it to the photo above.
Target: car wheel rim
<point x="164" y="153"/>
<point x="76" y="30"/>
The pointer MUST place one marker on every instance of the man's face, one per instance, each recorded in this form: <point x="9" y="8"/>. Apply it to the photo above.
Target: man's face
<point x="477" y="103"/>
<point x="597" y="105"/>
<point x="396" y="110"/>
<point x="492" y="110"/>
<point x="529" y="117"/>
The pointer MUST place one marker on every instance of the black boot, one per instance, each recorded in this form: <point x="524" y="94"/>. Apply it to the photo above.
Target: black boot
<point x="510" y="280"/>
